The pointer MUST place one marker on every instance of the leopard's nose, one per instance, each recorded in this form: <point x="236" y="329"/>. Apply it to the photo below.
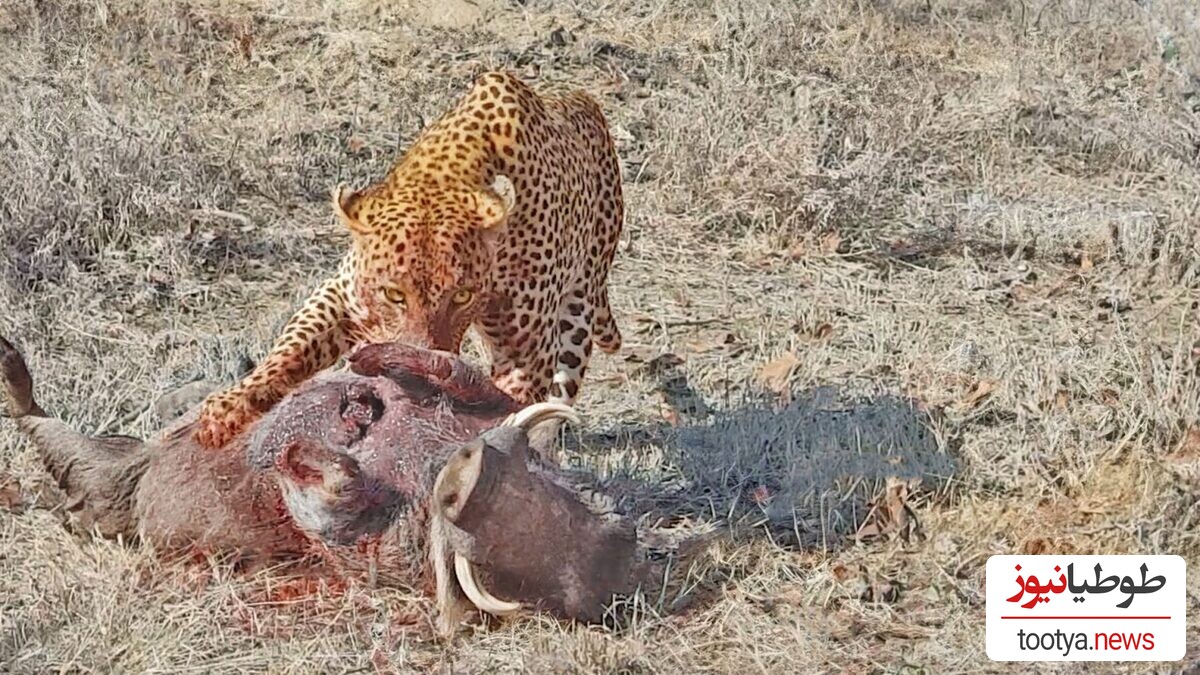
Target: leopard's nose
<point x="443" y="344"/>
<point x="441" y="338"/>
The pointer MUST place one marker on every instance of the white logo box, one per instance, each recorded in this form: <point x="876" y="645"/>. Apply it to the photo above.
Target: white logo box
<point x="1059" y="608"/>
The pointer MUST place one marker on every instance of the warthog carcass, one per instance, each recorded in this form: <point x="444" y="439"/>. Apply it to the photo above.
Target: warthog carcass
<point x="409" y="466"/>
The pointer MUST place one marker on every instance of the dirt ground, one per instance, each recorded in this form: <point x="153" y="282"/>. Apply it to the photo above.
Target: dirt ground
<point x="988" y="208"/>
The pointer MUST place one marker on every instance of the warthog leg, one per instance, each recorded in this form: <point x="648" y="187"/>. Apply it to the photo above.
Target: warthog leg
<point x="437" y="372"/>
<point x="100" y="474"/>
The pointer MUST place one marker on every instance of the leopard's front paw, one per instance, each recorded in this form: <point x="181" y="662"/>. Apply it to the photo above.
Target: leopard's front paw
<point x="223" y="418"/>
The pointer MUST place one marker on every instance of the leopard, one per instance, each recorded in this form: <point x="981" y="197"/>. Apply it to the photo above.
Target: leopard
<point x="504" y="215"/>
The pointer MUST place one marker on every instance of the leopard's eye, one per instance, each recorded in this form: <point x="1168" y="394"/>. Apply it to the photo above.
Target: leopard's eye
<point x="394" y="296"/>
<point x="462" y="296"/>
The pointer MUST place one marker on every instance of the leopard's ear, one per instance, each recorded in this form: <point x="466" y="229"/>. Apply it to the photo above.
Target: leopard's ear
<point x="345" y="202"/>
<point x="495" y="202"/>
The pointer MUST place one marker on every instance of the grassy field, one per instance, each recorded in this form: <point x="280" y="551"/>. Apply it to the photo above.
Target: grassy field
<point x="990" y="207"/>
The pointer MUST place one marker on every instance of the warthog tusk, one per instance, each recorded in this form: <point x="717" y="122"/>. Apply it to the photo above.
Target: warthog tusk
<point x="531" y="416"/>
<point x="526" y="419"/>
<point x="476" y="593"/>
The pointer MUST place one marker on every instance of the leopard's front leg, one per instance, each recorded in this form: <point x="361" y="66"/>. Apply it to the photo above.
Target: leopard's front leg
<point x="227" y="413"/>
<point x="313" y="339"/>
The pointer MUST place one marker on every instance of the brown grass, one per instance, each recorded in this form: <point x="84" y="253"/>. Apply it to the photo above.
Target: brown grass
<point x="989" y="206"/>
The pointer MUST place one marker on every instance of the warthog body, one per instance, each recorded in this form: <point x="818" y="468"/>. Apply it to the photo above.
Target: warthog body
<point x="410" y="467"/>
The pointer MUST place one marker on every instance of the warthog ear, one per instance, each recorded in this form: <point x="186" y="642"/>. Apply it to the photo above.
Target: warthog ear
<point x="306" y="463"/>
<point x="457" y="479"/>
<point x="16" y="385"/>
<point x="346" y="203"/>
<point x="322" y="490"/>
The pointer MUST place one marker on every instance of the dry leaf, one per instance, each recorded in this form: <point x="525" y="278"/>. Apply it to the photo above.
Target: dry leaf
<point x="1189" y="444"/>
<point x="1109" y="396"/>
<point x="669" y="414"/>
<point x="355" y="143"/>
<point x="724" y="341"/>
<point x="1020" y="292"/>
<point x="680" y="297"/>
<point x="823" y="331"/>
<point x="1037" y="546"/>
<point x="635" y="353"/>
<point x="798" y="250"/>
<point x="380" y="660"/>
<point x="860" y="583"/>
<point x="791" y="595"/>
<point x="1085" y="263"/>
<point x="777" y="374"/>
<point x="890" y="513"/>
<point x="663" y="363"/>
<point x="245" y="44"/>
<point x="1059" y="402"/>
<point x="841" y="572"/>
<point x="765" y="262"/>
<point x="980" y="391"/>
<point x="902" y="631"/>
<point x="1192" y="440"/>
<point x="868" y="530"/>
<point x="830" y="242"/>
<point x="158" y="278"/>
<point x="761" y="495"/>
<point x="903" y="248"/>
<point x="10" y="494"/>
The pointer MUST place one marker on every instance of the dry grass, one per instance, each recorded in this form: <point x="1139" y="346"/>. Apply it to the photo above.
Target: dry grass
<point x="935" y="199"/>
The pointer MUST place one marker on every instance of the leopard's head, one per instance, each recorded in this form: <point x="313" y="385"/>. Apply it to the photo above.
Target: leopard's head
<point x="424" y="256"/>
